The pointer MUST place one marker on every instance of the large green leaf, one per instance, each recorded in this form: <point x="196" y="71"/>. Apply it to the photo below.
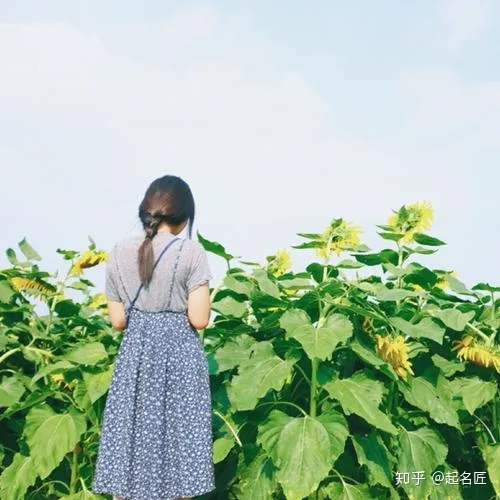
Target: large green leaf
<point x="53" y="367"/>
<point x="420" y="450"/>
<point x="371" y="451"/>
<point x="449" y="368"/>
<point x="234" y="352"/>
<point x="426" y="328"/>
<point x="421" y="393"/>
<point x="454" y="319"/>
<point x="257" y="480"/>
<point x="229" y="306"/>
<point x="300" y="448"/>
<point x="11" y="390"/>
<point x="491" y="456"/>
<point x="347" y="491"/>
<point x="97" y="384"/>
<point x="221" y="447"/>
<point x="238" y="284"/>
<point x="214" y="247"/>
<point x="318" y="342"/>
<point x="474" y="391"/>
<point x="266" y="285"/>
<point x="17" y="477"/>
<point x="257" y="375"/>
<point x="87" y="354"/>
<point x="336" y="426"/>
<point x="51" y="435"/>
<point x="361" y="395"/>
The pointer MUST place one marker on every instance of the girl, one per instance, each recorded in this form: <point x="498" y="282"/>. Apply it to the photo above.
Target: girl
<point x="156" y="440"/>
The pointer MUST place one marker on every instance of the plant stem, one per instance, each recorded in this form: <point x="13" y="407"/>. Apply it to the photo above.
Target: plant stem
<point x="231" y="428"/>
<point x="74" y="472"/>
<point x="480" y="333"/>
<point x="312" y="407"/>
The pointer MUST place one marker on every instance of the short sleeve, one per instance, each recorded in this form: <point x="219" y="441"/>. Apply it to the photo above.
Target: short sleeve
<point x="111" y="285"/>
<point x="199" y="271"/>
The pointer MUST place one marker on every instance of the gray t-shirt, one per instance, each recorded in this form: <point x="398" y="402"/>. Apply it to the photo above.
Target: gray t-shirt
<point x="187" y="257"/>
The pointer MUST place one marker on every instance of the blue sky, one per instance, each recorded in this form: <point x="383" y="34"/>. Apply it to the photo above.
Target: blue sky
<point x="280" y="115"/>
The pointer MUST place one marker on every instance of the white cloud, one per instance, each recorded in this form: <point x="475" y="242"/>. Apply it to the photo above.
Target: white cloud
<point x="465" y="21"/>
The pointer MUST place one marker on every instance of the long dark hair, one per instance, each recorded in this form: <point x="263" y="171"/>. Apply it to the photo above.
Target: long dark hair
<point x="167" y="199"/>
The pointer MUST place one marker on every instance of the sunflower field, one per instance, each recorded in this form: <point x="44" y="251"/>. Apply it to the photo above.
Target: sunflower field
<point x="367" y="375"/>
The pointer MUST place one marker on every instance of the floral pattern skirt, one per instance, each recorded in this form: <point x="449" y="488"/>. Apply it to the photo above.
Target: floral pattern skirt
<point x="156" y="436"/>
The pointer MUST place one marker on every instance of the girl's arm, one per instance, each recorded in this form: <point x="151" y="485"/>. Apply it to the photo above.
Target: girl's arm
<point x="116" y="313"/>
<point x="199" y="306"/>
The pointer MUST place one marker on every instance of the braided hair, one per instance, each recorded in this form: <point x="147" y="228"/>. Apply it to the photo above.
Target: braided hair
<point x="167" y="199"/>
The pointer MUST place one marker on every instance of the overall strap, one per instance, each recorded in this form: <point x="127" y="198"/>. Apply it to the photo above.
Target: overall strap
<point x="156" y="263"/>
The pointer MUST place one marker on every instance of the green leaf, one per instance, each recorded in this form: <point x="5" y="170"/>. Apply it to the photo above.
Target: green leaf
<point x="392" y="294"/>
<point x="453" y="318"/>
<point x="67" y="308"/>
<point x="318" y="342"/>
<point x="336" y="426"/>
<point x="6" y="291"/>
<point x="29" y="252"/>
<point x="214" y="247"/>
<point x="372" y="358"/>
<point x="347" y="491"/>
<point x="257" y="375"/>
<point x="12" y="257"/>
<point x="372" y="453"/>
<point x="51" y="435"/>
<point x="474" y="391"/>
<point x="86" y="354"/>
<point x="491" y="456"/>
<point x="457" y="286"/>
<point x="47" y="370"/>
<point x="310" y="236"/>
<point x="349" y="264"/>
<point x="234" y="352"/>
<point x="221" y="448"/>
<point x="238" y="284"/>
<point x="425" y="239"/>
<point x="267" y="286"/>
<point x="426" y="328"/>
<point x="420" y="393"/>
<point x="374" y="259"/>
<point x="486" y="287"/>
<point x="17" y="477"/>
<point x="449" y="368"/>
<point x="256" y="480"/>
<point x="300" y="448"/>
<point x="391" y="236"/>
<point x="228" y="306"/>
<point x="97" y="384"/>
<point x="81" y="495"/>
<point x="361" y="395"/>
<point x="11" y="390"/>
<point x="420" y="450"/>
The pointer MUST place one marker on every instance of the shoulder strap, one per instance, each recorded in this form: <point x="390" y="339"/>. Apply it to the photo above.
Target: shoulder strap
<point x="154" y="267"/>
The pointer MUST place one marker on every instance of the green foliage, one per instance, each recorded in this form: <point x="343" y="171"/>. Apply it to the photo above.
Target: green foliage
<point x="328" y="383"/>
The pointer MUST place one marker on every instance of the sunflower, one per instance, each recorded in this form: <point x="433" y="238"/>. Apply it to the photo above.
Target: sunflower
<point x="99" y="301"/>
<point x="280" y="263"/>
<point x="394" y="351"/>
<point x="90" y="258"/>
<point x="478" y="353"/>
<point x="411" y="219"/>
<point x="342" y="236"/>
<point x="35" y="287"/>
<point x="443" y="282"/>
